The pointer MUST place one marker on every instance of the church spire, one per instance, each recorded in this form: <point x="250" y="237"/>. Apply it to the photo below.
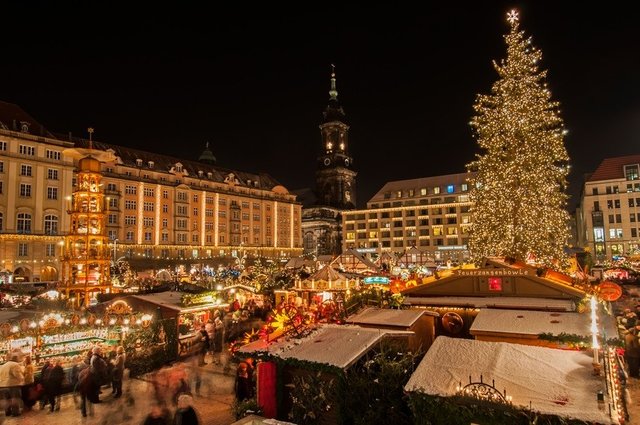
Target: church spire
<point x="333" y="93"/>
<point x="333" y="111"/>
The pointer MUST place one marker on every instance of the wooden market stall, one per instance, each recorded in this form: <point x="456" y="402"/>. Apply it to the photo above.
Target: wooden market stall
<point x="329" y="347"/>
<point x="461" y="295"/>
<point x="525" y="381"/>
<point x="189" y="312"/>
<point x="65" y="335"/>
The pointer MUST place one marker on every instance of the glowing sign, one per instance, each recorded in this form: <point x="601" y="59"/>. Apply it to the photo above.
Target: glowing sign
<point x="495" y="283"/>
<point x="376" y="280"/>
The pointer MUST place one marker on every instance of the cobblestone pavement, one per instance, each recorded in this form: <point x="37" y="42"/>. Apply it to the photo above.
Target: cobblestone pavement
<point x="213" y="405"/>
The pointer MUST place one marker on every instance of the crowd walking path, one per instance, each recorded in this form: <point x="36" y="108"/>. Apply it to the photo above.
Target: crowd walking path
<point x="213" y="405"/>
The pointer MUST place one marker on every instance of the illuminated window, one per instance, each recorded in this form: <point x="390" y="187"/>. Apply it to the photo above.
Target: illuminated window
<point x="631" y="172"/>
<point x="495" y="284"/>
<point x="450" y="188"/>
<point x="436" y="190"/>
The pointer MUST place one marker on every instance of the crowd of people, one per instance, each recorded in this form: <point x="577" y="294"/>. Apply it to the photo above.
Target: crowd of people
<point x="21" y="388"/>
<point x="629" y="323"/>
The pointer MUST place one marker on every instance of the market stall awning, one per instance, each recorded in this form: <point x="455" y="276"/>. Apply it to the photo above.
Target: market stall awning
<point x="172" y="300"/>
<point x="556" y="382"/>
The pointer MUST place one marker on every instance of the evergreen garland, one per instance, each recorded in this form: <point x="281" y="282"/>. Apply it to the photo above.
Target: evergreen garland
<point x="435" y="410"/>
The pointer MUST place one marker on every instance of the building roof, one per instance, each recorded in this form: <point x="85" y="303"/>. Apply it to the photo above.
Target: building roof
<point x="352" y="261"/>
<point x="495" y="302"/>
<point x="165" y="163"/>
<point x="13" y="116"/>
<point x="536" y="322"/>
<point x="328" y="274"/>
<point x="388" y="317"/>
<point x="171" y="300"/>
<point x="334" y="345"/>
<point x="613" y="168"/>
<point x="555" y="382"/>
<point x="417" y="184"/>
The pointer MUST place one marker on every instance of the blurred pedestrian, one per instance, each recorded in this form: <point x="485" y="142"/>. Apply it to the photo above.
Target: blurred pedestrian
<point x="41" y="382"/>
<point x="118" y="371"/>
<point x="11" y="381"/>
<point x="242" y="385"/>
<point x="29" y="395"/>
<point x="204" y="349"/>
<point x="185" y="414"/>
<point x="632" y="352"/>
<point x="159" y="415"/>
<point x="53" y="386"/>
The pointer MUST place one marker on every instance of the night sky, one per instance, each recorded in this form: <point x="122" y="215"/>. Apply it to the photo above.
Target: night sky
<point x="254" y="82"/>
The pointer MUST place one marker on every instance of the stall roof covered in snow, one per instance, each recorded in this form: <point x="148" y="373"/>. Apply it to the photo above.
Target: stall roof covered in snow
<point x="556" y="382"/>
<point x="389" y="317"/>
<point x="335" y="345"/>
<point x="172" y="300"/>
<point x="498" y="302"/>
<point x="537" y="322"/>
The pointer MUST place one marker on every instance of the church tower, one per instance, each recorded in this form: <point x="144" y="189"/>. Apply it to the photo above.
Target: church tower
<point x="335" y="177"/>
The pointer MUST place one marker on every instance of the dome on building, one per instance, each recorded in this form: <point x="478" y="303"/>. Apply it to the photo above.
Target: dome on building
<point x="207" y="156"/>
<point x="89" y="163"/>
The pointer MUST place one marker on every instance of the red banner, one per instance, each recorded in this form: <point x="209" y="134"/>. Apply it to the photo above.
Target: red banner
<point x="266" y="388"/>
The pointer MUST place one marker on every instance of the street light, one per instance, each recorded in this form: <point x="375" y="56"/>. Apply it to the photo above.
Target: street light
<point x="115" y="250"/>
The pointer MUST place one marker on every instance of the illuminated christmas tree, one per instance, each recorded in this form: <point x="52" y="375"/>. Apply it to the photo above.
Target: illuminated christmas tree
<point x="521" y="175"/>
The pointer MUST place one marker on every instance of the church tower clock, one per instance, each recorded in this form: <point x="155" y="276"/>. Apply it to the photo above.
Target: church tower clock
<point x="335" y="177"/>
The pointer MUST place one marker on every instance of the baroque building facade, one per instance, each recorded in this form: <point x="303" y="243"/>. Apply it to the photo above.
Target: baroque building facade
<point x="157" y="206"/>
<point x="335" y="190"/>
<point x="431" y="214"/>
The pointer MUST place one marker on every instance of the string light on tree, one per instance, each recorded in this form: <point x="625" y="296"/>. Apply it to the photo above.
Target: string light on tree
<point x="520" y="177"/>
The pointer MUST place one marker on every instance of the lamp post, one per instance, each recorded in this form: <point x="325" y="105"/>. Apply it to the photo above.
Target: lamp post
<point x="115" y="251"/>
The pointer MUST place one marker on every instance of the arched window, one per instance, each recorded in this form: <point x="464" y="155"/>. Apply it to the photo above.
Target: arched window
<point x="50" y="225"/>
<point x="24" y="223"/>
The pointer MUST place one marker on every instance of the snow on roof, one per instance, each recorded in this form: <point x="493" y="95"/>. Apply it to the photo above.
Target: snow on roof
<point x="503" y="302"/>
<point x="537" y="322"/>
<point x="335" y="345"/>
<point x="388" y="317"/>
<point x="556" y="382"/>
<point x="171" y="299"/>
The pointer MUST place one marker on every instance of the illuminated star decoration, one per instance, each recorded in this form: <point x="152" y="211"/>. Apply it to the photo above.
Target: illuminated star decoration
<point x="512" y="16"/>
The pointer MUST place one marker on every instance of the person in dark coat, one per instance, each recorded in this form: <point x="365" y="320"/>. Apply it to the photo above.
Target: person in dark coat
<point x="205" y="344"/>
<point x="42" y="382"/>
<point x="185" y="414"/>
<point x="632" y="352"/>
<point x="53" y="386"/>
<point x="243" y="385"/>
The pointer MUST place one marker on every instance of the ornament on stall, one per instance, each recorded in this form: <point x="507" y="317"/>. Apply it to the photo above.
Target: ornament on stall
<point x="24" y="325"/>
<point x="91" y="320"/>
<point x="5" y="329"/>
<point x="119" y="307"/>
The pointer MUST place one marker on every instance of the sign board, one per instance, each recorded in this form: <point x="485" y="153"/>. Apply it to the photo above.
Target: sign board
<point x="366" y="250"/>
<point x="376" y="280"/>
<point x="492" y="272"/>
<point x="452" y="248"/>
<point x="609" y="291"/>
